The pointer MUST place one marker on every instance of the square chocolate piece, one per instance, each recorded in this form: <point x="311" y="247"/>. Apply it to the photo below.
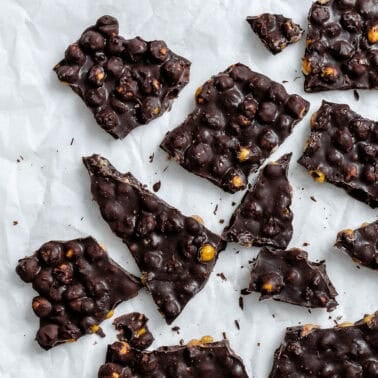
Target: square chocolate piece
<point x="288" y="276"/>
<point x="343" y="150"/>
<point x="264" y="216"/>
<point x="79" y="286"/>
<point x="341" y="46"/>
<point x="241" y="117"/>
<point x="275" y="31"/>
<point x="176" y="254"/>
<point x="124" y="82"/>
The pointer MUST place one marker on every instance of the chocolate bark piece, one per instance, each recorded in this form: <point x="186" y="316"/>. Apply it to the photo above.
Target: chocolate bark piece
<point x="240" y="118"/>
<point x="288" y="276"/>
<point x="361" y="244"/>
<point x="200" y="358"/>
<point x="264" y="216"/>
<point x="124" y="82"/>
<point x="175" y="253"/>
<point x="79" y="286"/>
<point x="275" y="31"/>
<point x="347" y="350"/>
<point x="341" y="46"/>
<point x="133" y="329"/>
<point x="343" y="150"/>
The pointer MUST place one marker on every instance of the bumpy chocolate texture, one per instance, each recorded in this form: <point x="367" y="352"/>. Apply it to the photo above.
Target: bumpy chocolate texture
<point x="343" y="150"/>
<point x="241" y="117"/>
<point x="275" y="31"/>
<point x="198" y="359"/>
<point x="347" y="350"/>
<point x="342" y="45"/>
<point x="79" y="286"/>
<point x="175" y="253"/>
<point x="124" y="82"/>
<point x="133" y="329"/>
<point x="288" y="276"/>
<point x="264" y="216"/>
<point x="361" y="244"/>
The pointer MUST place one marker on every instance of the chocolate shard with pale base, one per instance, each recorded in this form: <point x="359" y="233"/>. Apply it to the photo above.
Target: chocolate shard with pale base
<point x="240" y="118"/>
<point x="176" y="254"/>
<point x="79" y="286"/>
<point x="264" y="216"/>
<point x="347" y="350"/>
<point x="275" y="31"/>
<point x="199" y="359"/>
<point x="343" y="150"/>
<point x="124" y="82"/>
<point x="288" y="276"/>
<point x="360" y="244"/>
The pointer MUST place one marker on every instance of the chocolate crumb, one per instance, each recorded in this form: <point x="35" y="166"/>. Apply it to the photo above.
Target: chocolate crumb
<point x="237" y="252"/>
<point x="233" y="203"/>
<point x="72" y="140"/>
<point x="296" y="78"/>
<point x="241" y="303"/>
<point x="309" y="310"/>
<point x="221" y="221"/>
<point x="237" y="324"/>
<point x="165" y="168"/>
<point x="284" y="81"/>
<point x="181" y="342"/>
<point x="356" y="95"/>
<point x="244" y="291"/>
<point x="258" y="344"/>
<point x="15" y="223"/>
<point x="176" y="329"/>
<point x="305" y="244"/>
<point x="215" y="210"/>
<point x="224" y="335"/>
<point x="222" y="276"/>
<point x="358" y="267"/>
<point x="151" y="157"/>
<point x="273" y="316"/>
<point x="313" y="199"/>
<point x="156" y="186"/>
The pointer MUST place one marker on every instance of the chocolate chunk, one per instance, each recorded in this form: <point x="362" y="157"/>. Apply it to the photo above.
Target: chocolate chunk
<point x="275" y="31"/>
<point x="361" y="244"/>
<point x="124" y="82"/>
<point x="79" y="286"/>
<point x="341" y="47"/>
<point x="264" y="216"/>
<point x="200" y="358"/>
<point x="347" y="350"/>
<point x="241" y="117"/>
<point x="175" y="253"/>
<point x="288" y="276"/>
<point x="343" y="150"/>
<point x="133" y="329"/>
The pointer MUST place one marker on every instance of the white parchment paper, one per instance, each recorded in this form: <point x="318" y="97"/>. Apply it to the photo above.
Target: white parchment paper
<point x="47" y="191"/>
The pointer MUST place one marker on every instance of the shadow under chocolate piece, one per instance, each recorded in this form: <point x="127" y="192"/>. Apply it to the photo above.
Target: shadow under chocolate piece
<point x="275" y="31"/>
<point x="361" y="244"/>
<point x="241" y="117"/>
<point x="341" y="46"/>
<point x="264" y="216"/>
<point x="79" y="286"/>
<point x="200" y="358"/>
<point x="343" y="150"/>
<point x="133" y="329"/>
<point x="347" y="350"/>
<point x="175" y="253"/>
<point x="288" y="276"/>
<point x="124" y="82"/>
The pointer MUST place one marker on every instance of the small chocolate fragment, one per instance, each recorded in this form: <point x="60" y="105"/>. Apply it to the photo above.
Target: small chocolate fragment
<point x="133" y="329"/>
<point x="347" y="350"/>
<point x="200" y="358"/>
<point x="361" y="244"/>
<point x="124" y="82"/>
<point x="288" y="276"/>
<point x="343" y="150"/>
<point x="264" y="216"/>
<point x="176" y="254"/>
<point x="240" y="118"/>
<point x="79" y="286"/>
<point x="275" y="31"/>
<point x="341" y="46"/>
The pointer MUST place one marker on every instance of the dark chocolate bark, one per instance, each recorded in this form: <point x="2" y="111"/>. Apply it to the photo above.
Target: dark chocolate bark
<point x="342" y="45"/>
<point x="288" y="276"/>
<point x="195" y="360"/>
<point x="79" y="286"/>
<point x="343" y="150"/>
<point x="124" y="82"/>
<point x="264" y="216"/>
<point x="275" y="31"/>
<point x="347" y="350"/>
<point x="361" y="244"/>
<point x="175" y="253"/>
<point x="241" y="117"/>
<point x="133" y="329"/>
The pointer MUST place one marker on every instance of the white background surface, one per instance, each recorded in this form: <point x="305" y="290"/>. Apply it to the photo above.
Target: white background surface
<point x="48" y="191"/>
